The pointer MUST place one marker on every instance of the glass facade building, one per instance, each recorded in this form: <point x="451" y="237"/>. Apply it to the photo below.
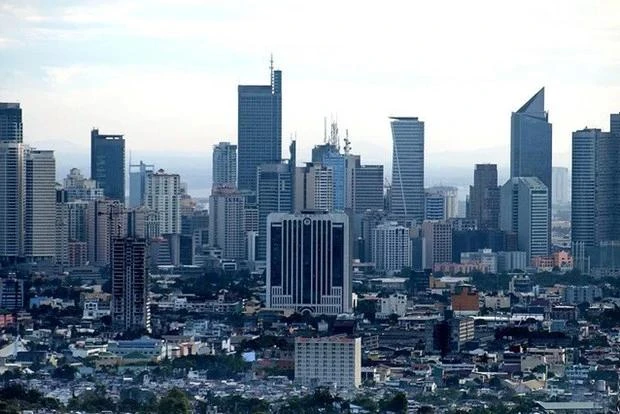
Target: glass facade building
<point x="259" y="129"/>
<point x="11" y="127"/>
<point x="107" y="164"/>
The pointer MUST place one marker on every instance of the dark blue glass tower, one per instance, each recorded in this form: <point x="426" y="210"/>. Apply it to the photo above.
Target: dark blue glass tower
<point x="107" y="164"/>
<point x="530" y="141"/>
<point x="11" y="129"/>
<point x="259" y="128"/>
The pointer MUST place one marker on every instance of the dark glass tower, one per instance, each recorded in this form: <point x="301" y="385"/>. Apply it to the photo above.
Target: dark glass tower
<point x="530" y="141"/>
<point x="107" y="164"/>
<point x="11" y="128"/>
<point x="259" y="128"/>
<point x="484" y="197"/>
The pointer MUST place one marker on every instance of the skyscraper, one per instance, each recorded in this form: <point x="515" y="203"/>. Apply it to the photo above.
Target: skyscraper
<point x="259" y="128"/>
<point x="440" y="203"/>
<point x="12" y="177"/>
<point x="367" y="188"/>
<point x="11" y="128"/>
<point x="607" y="186"/>
<point x="530" y="141"/>
<point x="484" y="197"/>
<point x="561" y="186"/>
<point x="329" y="156"/>
<point x="308" y="263"/>
<point x="130" y="301"/>
<point x="162" y="194"/>
<point x="106" y="221"/>
<point x="226" y="208"/>
<point x="314" y="187"/>
<point x="275" y="195"/>
<point x="437" y="242"/>
<point x="107" y="164"/>
<point x="583" y="201"/>
<point x="79" y="187"/>
<point x="407" y="195"/>
<point x="137" y="183"/>
<point x="224" y="164"/>
<point x="391" y="250"/>
<point x="525" y="211"/>
<point x="40" y="206"/>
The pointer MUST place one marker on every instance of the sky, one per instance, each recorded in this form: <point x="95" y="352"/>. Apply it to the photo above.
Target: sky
<point x="165" y="73"/>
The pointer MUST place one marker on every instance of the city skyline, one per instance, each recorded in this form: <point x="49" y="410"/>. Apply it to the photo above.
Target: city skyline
<point x="497" y="63"/>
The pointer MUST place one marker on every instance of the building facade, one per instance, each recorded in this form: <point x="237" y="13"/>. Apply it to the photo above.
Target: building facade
<point x="12" y="183"/>
<point x="137" y="183"/>
<point x="226" y="208"/>
<point x="11" y="126"/>
<point x="333" y="360"/>
<point x="107" y="164"/>
<point x="163" y="194"/>
<point x="484" y="197"/>
<point x="407" y="193"/>
<point x="367" y="185"/>
<point x="437" y="242"/>
<point x="308" y="262"/>
<point x="314" y="187"/>
<point x="224" y="164"/>
<point x="391" y="249"/>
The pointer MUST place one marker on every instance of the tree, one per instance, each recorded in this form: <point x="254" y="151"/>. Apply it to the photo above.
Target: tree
<point x="65" y="373"/>
<point x="174" y="402"/>
<point x="397" y="403"/>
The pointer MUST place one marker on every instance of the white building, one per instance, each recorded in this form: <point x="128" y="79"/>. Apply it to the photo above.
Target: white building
<point x="11" y="198"/>
<point x="79" y="187"/>
<point x="162" y="194"/>
<point x="224" y="164"/>
<point x="314" y="187"/>
<point x="226" y="222"/>
<point x="509" y="261"/>
<point x="308" y="262"/>
<point x="391" y="250"/>
<point x="396" y="303"/>
<point x="437" y="242"/>
<point x="334" y="360"/>
<point x="485" y="257"/>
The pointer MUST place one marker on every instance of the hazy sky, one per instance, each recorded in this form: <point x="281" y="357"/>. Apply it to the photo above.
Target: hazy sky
<point x="165" y="73"/>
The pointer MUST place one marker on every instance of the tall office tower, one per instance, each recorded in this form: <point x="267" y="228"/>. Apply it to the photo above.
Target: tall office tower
<point x="583" y="199"/>
<point x="62" y="229"/>
<point x="130" y="280"/>
<point x="440" y="203"/>
<point x="352" y="162"/>
<point x="77" y="220"/>
<point x="107" y="164"/>
<point x="224" y="164"/>
<point x="525" y="211"/>
<point x="259" y="128"/>
<point x="561" y="185"/>
<point x="607" y="187"/>
<point x="162" y="194"/>
<point x="367" y="188"/>
<point x="308" y="262"/>
<point x="275" y="195"/>
<point x="137" y="183"/>
<point x="407" y="194"/>
<point x="226" y="207"/>
<point x="106" y="221"/>
<point x="484" y="197"/>
<point x="391" y="249"/>
<point x="80" y="188"/>
<point x="314" y="187"/>
<point x="369" y="220"/>
<point x="40" y="205"/>
<point x="12" y="176"/>
<point x="329" y="156"/>
<point x="437" y="242"/>
<point x="11" y="127"/>
<point x="530" y="142"/>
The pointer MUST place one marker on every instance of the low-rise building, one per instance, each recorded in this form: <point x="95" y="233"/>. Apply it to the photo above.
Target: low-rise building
<point x="396" y="303"/>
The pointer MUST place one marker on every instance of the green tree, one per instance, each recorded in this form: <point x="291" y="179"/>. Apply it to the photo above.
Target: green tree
<point x="396" y="403"/>
<point x="174" y="402"/>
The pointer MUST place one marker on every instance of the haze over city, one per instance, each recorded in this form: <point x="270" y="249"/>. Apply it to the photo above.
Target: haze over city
<point x="164" y="73"/>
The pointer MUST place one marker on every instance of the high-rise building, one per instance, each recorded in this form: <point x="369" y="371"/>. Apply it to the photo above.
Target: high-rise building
<point x="369" y="220"/>
<point x="329" y="361"/>
<point x="437" y="242"/>
<point x="106" y="221"/>
<point x="259" y="128"/>
<point x="407" y="194"/>
<point x="367" y="188"/>
<point x="130" y="301"/>
<point x="484" y="197"/>
<point x="107" y="164"/>
<point x="40" y="205"/>
<point x="224" y="164"/>
<point x="525" y="211"/>
<point x="275" y="195"/>
<point x="314" y="187"/>
<point x="530" y="142"/>
<point x="162" y="194"/>
<point x="329" y="156"/>
<point x="137" y="183"/>
<point x="607" y="185"/>
<point x="560" y="185"/>
<point x="440" y="203"/>
<point x="391" y="249"/>
<point x="80" y="188"/>
<point x="308" y="262"/>
<point x="11" y="127"/>
<point x="12" y="177"/>
<point x="226" y="208"/>
<point x="583" y="200"/>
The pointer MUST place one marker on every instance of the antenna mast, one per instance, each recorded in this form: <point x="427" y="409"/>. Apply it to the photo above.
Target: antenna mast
<point x="347" y="142"/>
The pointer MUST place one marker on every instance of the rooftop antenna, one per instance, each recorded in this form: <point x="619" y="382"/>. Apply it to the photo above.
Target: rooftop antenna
<point x="334" y="139"/>
<point x="347" y="142"/>
<point x="325" y="130"/>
